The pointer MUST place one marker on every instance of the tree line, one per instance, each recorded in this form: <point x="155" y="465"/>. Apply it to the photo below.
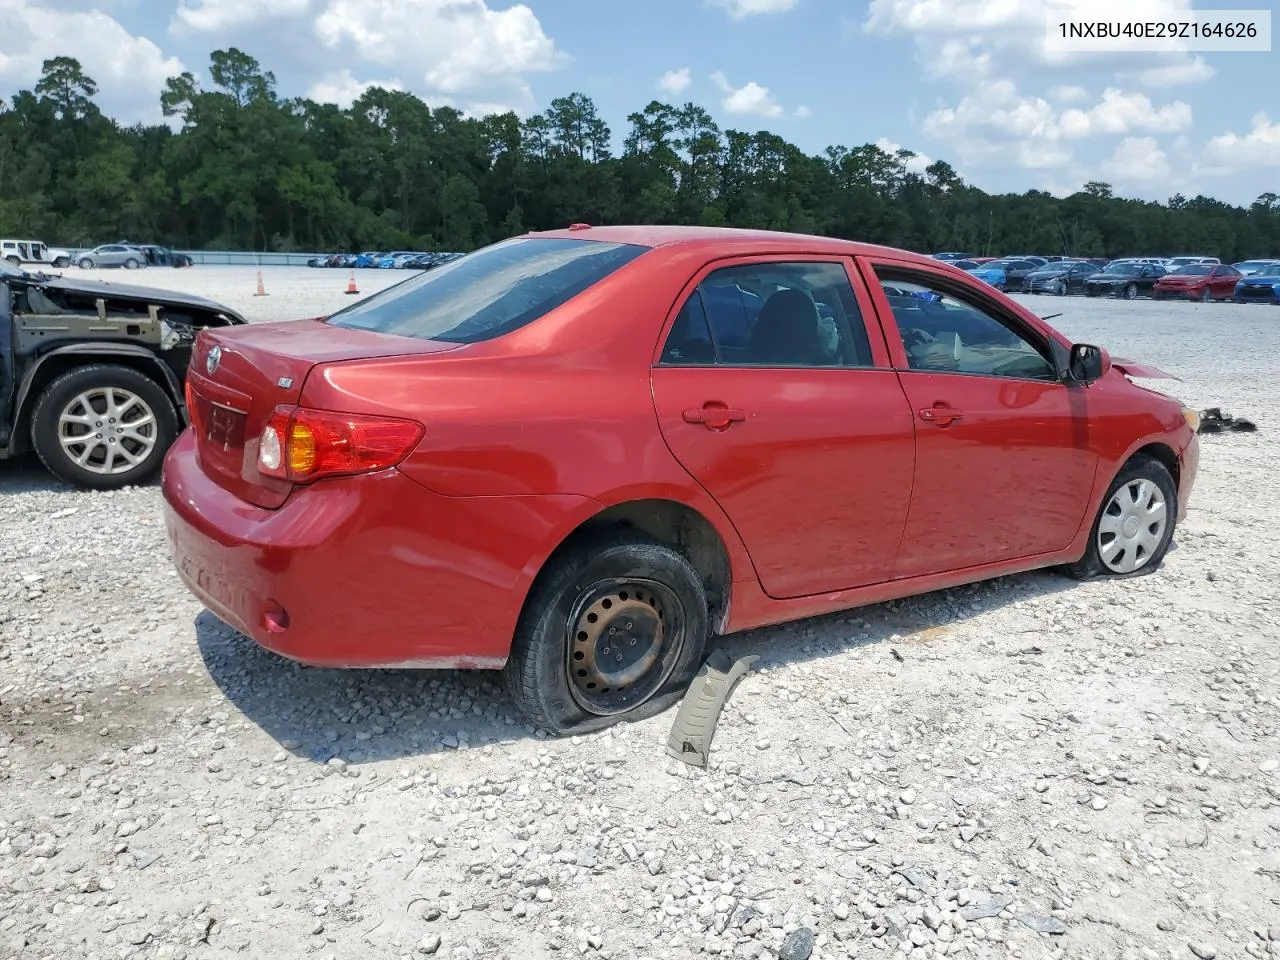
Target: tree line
<point x="240" y="167"/>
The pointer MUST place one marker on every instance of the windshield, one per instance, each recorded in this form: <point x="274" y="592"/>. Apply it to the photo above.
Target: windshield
<point x="490" y="292"/>
<point x="1258" y="266"/>
<point x="1193" y="270"/>
<point x="1122" y="269"/>
<point x="1053" y="269"/>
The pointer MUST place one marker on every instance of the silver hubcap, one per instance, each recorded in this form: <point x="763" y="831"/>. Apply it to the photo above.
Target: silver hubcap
<point x="107" y="430"/>
<point x="1132" y="526"/>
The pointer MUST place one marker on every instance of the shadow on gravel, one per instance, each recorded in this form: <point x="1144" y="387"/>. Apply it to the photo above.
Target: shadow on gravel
<point x="27" y="474"/>
<point x="369" y="715"/>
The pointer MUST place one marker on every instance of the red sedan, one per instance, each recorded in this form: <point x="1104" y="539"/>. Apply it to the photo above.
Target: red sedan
<point x="576" y="455"/>
<point x="1198" y="281"/>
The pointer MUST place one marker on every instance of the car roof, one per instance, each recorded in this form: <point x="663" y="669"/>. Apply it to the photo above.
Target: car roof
<point x="735" y="240"/>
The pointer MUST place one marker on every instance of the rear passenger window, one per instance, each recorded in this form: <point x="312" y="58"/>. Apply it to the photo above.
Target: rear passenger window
<point x="788" y="314"/>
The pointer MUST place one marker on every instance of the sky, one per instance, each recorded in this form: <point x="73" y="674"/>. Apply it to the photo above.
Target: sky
<point x="972" y="82"/>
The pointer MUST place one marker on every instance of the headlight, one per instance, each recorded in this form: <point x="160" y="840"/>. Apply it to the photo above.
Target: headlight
<point x="1193" y="419"/>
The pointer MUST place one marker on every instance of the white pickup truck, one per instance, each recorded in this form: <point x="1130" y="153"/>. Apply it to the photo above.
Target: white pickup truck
<point x="22" y="252"/>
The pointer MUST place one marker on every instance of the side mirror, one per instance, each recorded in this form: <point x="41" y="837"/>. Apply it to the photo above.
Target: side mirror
<point x="1088" y="363"/>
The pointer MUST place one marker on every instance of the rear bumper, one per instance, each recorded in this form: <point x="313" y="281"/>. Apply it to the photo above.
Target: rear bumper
<point x="372" y="571"/>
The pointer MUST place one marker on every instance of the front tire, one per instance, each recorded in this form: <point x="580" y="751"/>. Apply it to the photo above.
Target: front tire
<point x="62" y="263"/>
<point x="1134" y="526"/>
<point x="1130" y="291"/>
<point x="103" y="427"/>
<point x="86" y="263"/>
<point x="614" y="629"/>
<point x="1206" y="296"/>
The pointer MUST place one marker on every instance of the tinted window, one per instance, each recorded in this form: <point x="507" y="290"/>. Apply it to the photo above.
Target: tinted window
<point x="1194" y="270"/>
<point x="771" y="314"/>
<point x="491" y="292"/>
<point x="944" y="332"/>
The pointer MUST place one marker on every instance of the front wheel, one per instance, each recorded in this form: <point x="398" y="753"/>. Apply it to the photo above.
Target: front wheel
<point x="103" y="426"/>
<point x="1130" y="291"/>
<point x="1134" y="527"/>
<point x="614" y="629"/>
<point x="61" y="263"/>
<point x="1206" y="296"/>
<point x="86" y="263"/>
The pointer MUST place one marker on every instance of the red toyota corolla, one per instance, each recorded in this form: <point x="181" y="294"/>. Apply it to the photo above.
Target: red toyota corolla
<point x="1198" y="281"/>
<point x="575" y="455"/>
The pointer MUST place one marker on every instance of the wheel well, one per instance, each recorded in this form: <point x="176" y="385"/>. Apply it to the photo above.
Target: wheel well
<point x="58" y="364"/>
<point x="679" y="526"/>
<point x="1164" y="455"/>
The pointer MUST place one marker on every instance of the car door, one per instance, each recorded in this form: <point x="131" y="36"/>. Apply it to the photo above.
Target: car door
<point x="1223" y="281"/>
<point x="1078" y="275"/>
<point x="776" y="394"/>
<point x="1003" y="467"/>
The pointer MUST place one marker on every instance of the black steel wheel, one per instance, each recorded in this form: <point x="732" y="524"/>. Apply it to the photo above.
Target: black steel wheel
<point x="613" y="629"/>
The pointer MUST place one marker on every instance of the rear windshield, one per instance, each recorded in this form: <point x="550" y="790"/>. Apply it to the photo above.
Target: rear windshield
<point x="491" y="292"/>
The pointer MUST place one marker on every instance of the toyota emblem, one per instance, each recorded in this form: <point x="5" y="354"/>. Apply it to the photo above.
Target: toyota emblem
<point x="211" y="361"/>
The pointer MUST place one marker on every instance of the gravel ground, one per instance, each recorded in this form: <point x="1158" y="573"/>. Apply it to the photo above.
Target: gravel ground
<point x="1025" y="768"/>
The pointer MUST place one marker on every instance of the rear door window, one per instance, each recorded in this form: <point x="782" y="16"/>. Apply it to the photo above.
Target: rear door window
<point x="780" y="314"/>
<point x="491" y="292"/>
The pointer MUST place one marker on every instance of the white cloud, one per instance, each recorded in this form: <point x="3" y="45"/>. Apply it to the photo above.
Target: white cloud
<point x="749" y="100"/>
<point x="130" y="70"/>
<point x="741" y="9"/>
<point x="959" y="60"/>
<point x="344" y="89"/>
<point x="1138" y="160"/>
<point x="675" y="82"/>
<point x="213" y="16"/>
<point x="802" y="111"/>
<point x="1068" y="93"/>
<point x="916" y="164"/>
<point x="1176" y="74"/>
<point x="1120" y="113"/>
<point x="1260" y="147"/>
<point x="467" y="49"/>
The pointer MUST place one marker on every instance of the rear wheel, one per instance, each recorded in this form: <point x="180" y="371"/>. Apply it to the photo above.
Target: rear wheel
<point x="131" y="264"/>
<point x="1134" y="527"/>
<point x="614" y="629"/>
<point x="15" y="261"/>
<point x="103" y="427"/>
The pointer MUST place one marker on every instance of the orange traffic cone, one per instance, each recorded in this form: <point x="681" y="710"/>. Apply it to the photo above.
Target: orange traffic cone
<point x="351" y="284"/>
<point x="261" y="292"/>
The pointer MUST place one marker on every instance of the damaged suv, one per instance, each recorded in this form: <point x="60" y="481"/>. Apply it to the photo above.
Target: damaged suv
<point x="92" y="373"/>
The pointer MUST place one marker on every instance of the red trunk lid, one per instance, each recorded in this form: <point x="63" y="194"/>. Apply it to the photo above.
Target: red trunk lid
<point x="238" y="375"/>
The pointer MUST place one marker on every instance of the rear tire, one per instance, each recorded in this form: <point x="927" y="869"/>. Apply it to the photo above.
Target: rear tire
<point x="1128" y="538"/>
<point x="69" y="409"/>
<point x="629" y="613"/>
<point x="131" y="264"/>
<point x="16" y="261"/>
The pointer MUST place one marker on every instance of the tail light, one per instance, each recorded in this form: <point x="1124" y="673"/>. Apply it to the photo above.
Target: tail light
<point x="302" y="445"/>
<point x="189" y="396"/>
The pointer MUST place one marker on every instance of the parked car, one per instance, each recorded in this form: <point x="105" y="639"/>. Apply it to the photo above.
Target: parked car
<point x="1007" y="273"/>
<point x="1060" y="278"/>
<point x="92" y="373"/>
<point x="1248" y="268"/>
<point x="158" y="256"/>
<point x="1174" y="263"/>
<point x="1198" y="281"/>
<point x="112" y="255"/>
<point x="20" y="253"/>
<point x="580" y="476"/>
<point x="369" y="258"/>
<point x="951" y="255"/>
<point x="1121" y="279"/>
<point x="1260" y="287"/>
